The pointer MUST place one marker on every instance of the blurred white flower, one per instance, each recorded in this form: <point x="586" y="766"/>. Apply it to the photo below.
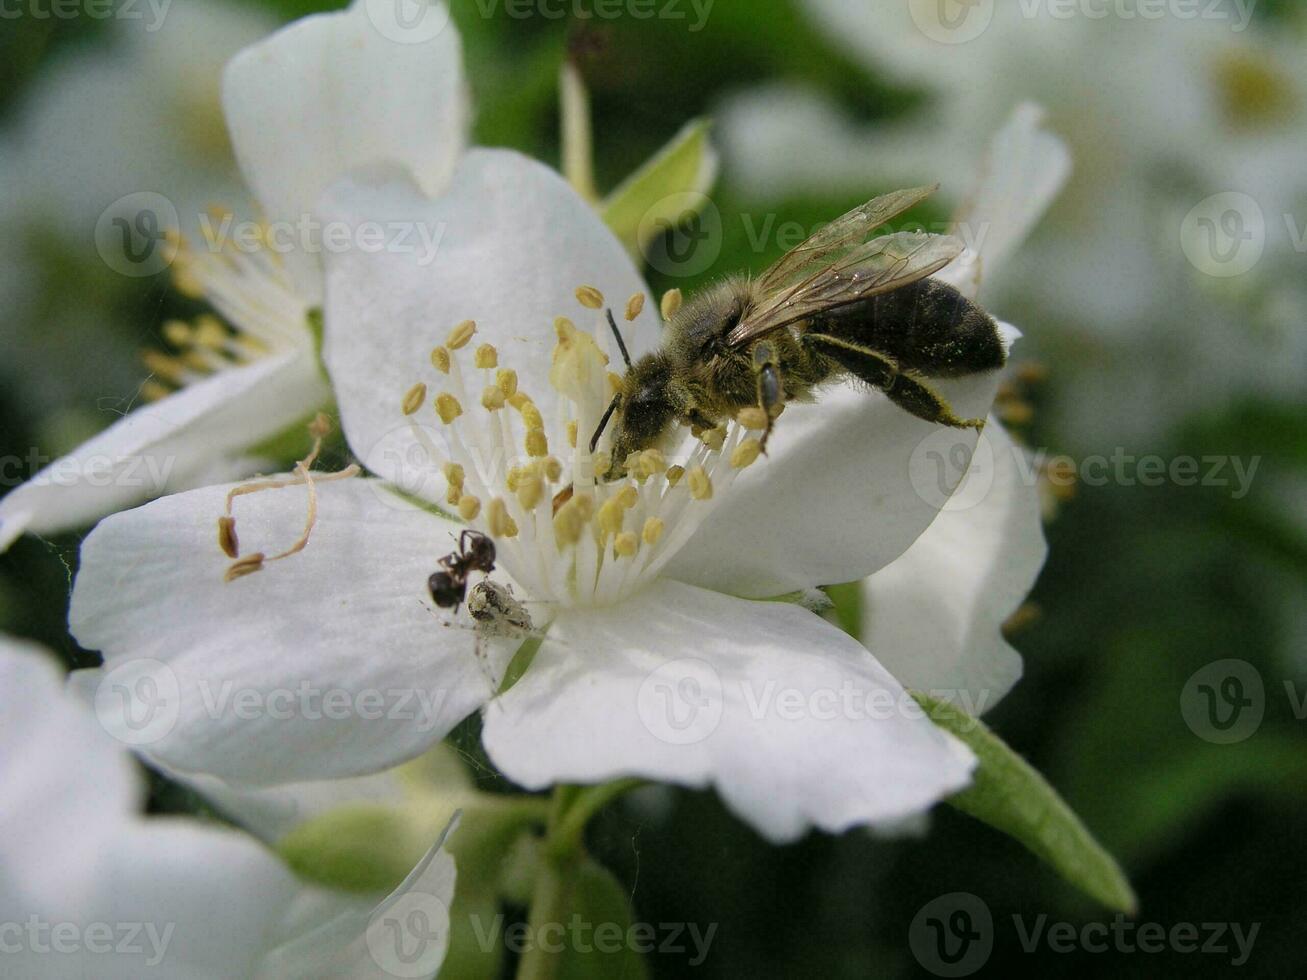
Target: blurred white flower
<point x="656" y="660"/>
<point x="94" y="888"/>
<point x="90" y="886"/>
<point x="317" y="99"/>
<point x="1160" y="113"/>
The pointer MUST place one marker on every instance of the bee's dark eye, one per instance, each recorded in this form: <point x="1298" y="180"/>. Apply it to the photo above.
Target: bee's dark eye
<point x="446" y="591"/>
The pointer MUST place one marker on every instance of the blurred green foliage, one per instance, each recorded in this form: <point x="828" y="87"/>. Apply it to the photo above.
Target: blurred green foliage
<point x="1143" y="587"/>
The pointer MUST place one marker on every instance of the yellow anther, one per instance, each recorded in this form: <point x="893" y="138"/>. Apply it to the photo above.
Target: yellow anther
<point x="447" y="407"/>
<point x="531" y="417"/>
<point x="700" y="483"/>
<point x="671" y="303"/>
<point x="178" y="333"/>
<point x="589" y="297"/>
<point x="461" y="334"/>
<point x="244" y="566"/>
<point x="537" y="444"/>
<point x="714" y="439"/>
<point x="634" y="305"/>
<point x="628" y="496"/>
<point x="584" y="504"/>
<point x="513" y="478"/>
<point x="506" y="381"/>
<point x="498" y="520"/>
<point x="152" y="391"/>
<point x="227" y="539"/>
<point x="674" y="474"/>
<point x="414" y="397"/>
<point x="569" y="523"/>
<point x="492" y="399"/>
<point x="571" y="433"/>
<point x="518" y="399"/>
<point x="610" y="516"/>
<point x="745" y="453"/>
<point x="530" y="490"/>
<point x="486" y="356"/>
<point x="752" y="417"/>
<point x="603" y="461"/>
<point x="552" y="468"/>
<point x="454" y="474"/>
<point x="168" y="368"/>
<point x="626" y="544"/>
<point x="185" y="281"/>
<point x="440" y="359"/>
<point x="194" y="360"/>
<point x="652" y="462"/>
<point x="210" y="333"/>
<point x="469" y="507"/>
<point x="564" y="329"/>
<point x="653" y="530"/>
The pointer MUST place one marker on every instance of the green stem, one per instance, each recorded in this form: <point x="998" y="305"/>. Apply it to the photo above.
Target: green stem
<point x="562" y="851"/>
<point x="567" y="836"/>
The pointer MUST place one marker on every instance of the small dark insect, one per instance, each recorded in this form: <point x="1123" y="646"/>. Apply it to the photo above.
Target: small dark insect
<point x="475" y="553"/>
<point x="838" y="305"/>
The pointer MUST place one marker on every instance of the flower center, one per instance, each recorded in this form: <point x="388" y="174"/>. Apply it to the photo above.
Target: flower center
<point x="256" y="309"/>
<point x="562" y="533"/>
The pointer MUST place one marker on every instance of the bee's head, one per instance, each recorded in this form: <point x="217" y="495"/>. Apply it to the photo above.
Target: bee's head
<point x="644" y="409"/>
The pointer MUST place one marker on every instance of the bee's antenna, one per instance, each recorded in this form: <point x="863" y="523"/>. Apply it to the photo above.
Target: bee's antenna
<point x="621" y="345"/>
<point x="608" y="412"/>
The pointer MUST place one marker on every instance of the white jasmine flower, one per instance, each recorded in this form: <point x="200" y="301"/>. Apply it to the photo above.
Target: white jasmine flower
<point x="93" y="888"/>
<point x="457" y="383"/>
<point x="324" y="95"/>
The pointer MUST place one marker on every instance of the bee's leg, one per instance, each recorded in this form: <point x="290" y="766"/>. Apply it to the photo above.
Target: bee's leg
<point x="771" y="390"/>
<point x="881" y="371"/>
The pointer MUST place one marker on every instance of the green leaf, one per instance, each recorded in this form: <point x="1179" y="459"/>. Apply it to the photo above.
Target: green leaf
<point x="1009" y="795"/>
<point x="652" y="197"/>
<point x="604" y="944"/>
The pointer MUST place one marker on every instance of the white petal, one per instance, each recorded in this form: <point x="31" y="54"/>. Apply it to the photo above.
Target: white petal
<point x="851" y="481"/>
<point x="64" y="786"/>
<point x="793" y="722"/>
<point x="406" y="935"/>
<point x="78" y="859"/>
<point x="1023" y="170"/>
<point x="159" y="446"/>
<point x="515" y="242"/>
<point x="332" y="92"/>
<point x="329" y="663"/>
<point x="933" y="617"/>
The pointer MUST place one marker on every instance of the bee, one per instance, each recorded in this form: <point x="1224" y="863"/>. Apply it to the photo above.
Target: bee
<point x="835" y="306"/>
<point x="475" y="553"/>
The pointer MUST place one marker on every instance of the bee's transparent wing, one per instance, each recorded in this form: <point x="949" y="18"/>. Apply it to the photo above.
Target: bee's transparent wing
<point x="874" y="267"/>
<point x="844" y="232"/>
